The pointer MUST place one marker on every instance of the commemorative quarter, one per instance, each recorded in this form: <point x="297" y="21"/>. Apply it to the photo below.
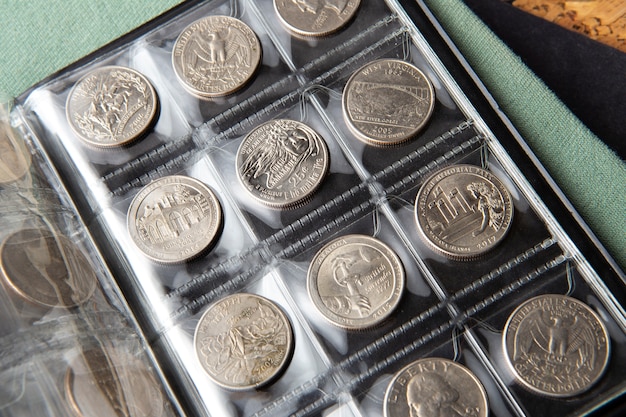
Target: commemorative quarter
<point x="111" y="106"/>
<point x="281" y="163"/>
<point x="387" y="102"/>
<point x="244" y="341"/>
<point x="355" y="281"/>
<point x="216" y="56"/>
<point x="102" y="384"/>
<point x="435" y="387"/>
<point x="315" y="17"/>
<point x="175" y="219"/>
<point x="556" y="345"/>
<point x="15" y="159"/>
<point x="46" y="268"/>
<point x="463" y="211"/>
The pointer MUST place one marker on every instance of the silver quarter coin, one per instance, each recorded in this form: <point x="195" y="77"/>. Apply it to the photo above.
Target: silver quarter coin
<point x="103" y="384"/>
<point x="244" y="341"/>
<point x="15" y="159"/>
<point x="556" y="345"/>
<point x="356" y="281"/>
<point x="111" y="106"/>
<point x="174" y="219"/>
<point x="216" y="56"/>
<point x="315" y="18"/>
<point x="281" y="163"/>
<point x="463" y="211"/>
<point x="435" y="387"/>
<point x="46" y="269"/>
<point x="387" y="102"/>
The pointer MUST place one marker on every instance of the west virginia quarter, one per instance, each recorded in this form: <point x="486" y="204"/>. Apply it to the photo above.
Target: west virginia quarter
<point x="356" y="281"/>
<point x="463" y="211"/>
<point x="315" y="17"/>
<point x="244" y="341"/>
<point x="174" y="219"/>
<point x="282" y="162"/>
<point x="435" y="387"/>
<point x="111" y="106"/>
<point x="387" y="102"/>
<point x="216" y="56"/>
<point x="556" y="345"/>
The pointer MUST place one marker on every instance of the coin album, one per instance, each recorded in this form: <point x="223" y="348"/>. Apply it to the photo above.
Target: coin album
<point x="277" y="208"/>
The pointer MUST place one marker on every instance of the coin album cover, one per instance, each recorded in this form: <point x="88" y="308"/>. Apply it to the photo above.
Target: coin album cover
<point x="291" y="208"/>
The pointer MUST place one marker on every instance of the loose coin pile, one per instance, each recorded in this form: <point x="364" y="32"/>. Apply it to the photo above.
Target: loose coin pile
<point x="311" y="18"/>
<point x="356" y="281"/>
<point x="216" y="56"/>
<point x="174" y="219"/>
<point x="282" y="162"/>
<point x="244" y="341"/>
<point x="46" y="269"/>
<point x="463" y="211"/>
<point x="556" y="345"/>
<point x="111" y="106"/>
<point x="387" y="102"/>
<point x="435" y="387"/>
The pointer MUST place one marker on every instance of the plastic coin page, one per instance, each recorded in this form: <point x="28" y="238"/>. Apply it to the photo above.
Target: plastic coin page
<point x="325" y="216"/>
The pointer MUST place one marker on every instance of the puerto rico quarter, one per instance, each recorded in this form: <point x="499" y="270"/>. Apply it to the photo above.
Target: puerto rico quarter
<point x="387" y="102"/>
<point x="15" y="159"/>
<point x="244" y="341"/>
<point x="435" y="387"/>
<point x="99" y="384"/>
<point x="282" y="162"/>
<point x="556" y="345"/>
<point x="216" y="56"/>
<point x="174" y="219"/>
<point x="111" y="106"/>
<point x="315" y="17"/>
<point x="46" y="269"/>
<point x="356" y="281"/>
<point x="463" y="211"/>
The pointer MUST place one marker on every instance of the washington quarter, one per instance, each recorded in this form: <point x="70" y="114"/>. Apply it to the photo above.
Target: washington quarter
<point x="15" y="159"/>
<point x="315" y="18"/>
<point x="463" y="211"/>
<point x="111" y="106"/>
<point x="435" y="387"/>
<point x="356" y="281"/>
<point x="46" y="268"/>
<point x="244" y="341"/>
<point x="281" y="163"/>
<point x="174" y="219"/>
<point x="387" y="102"/>
<point x="102" y="384"/>
<point x="216" y="56"/>
<point x="556" y="345"/>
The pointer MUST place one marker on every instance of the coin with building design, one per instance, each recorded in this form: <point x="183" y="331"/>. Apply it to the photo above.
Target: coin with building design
<point x="463" y="211"/>
<point x="356" y="281"/>
<point x="281" y="163"/>
<point x="387" y="102"/>
<point x="175" y="219"/>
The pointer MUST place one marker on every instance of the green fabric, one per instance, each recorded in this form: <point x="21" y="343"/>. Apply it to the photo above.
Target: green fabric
<point x="39" y="37"/>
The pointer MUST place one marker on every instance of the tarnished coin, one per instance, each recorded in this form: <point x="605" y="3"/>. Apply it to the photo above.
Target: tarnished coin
<point x="356" y="281"/>
<point x="435" y="387"/>
<point x="244" y="341"/>
<point x="282" y="162"/>
<point x="556" y="345"/>
<point x="387" y="102"/>
<point x="315" y="17"/>
<point x="174" y="219"/>
<point x="46" y="268"/>
<point x="216" y="56"/>
<point x="463" y="211"/>
<point x="14" y="157"/>
<point x="111" y="106"/>
<point x="100" y="384"/>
